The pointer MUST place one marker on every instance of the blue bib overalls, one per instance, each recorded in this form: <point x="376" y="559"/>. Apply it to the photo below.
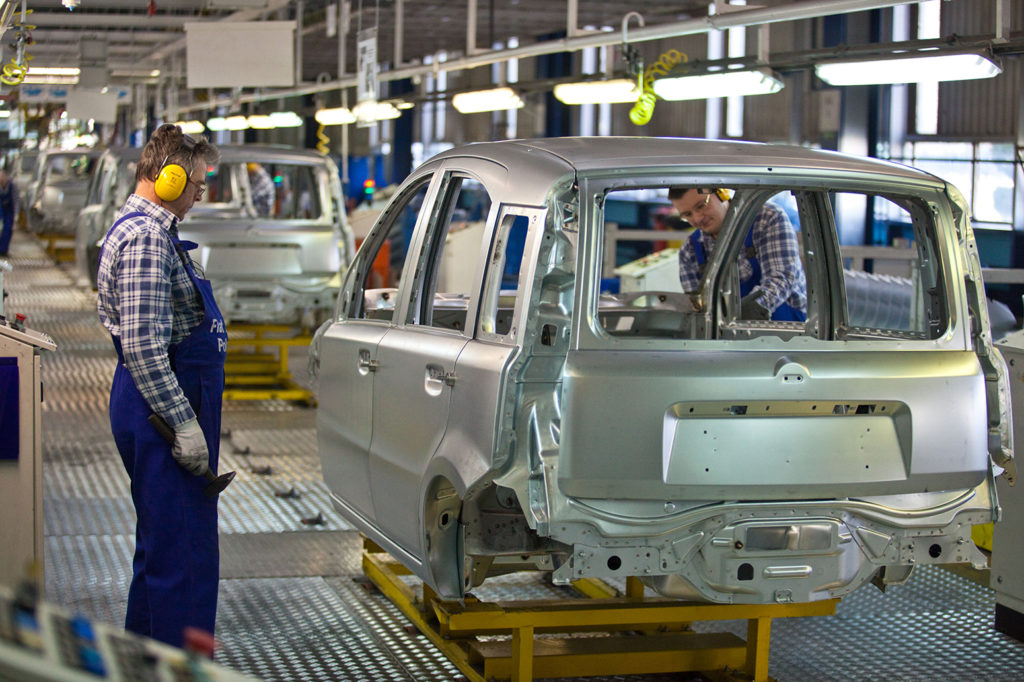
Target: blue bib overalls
<point x="177" y="563"/>
<point x="7" y="217"/>
<point x="784" y="312"/>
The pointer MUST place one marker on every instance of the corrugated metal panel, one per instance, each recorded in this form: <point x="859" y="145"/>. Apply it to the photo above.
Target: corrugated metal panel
<point x="982" y="109"/>
<point x="971" y="17"/>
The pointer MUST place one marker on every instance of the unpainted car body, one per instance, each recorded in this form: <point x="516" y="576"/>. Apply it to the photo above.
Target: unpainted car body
<point x="502" y="410"/>
<point x="111" y="182"/>
<point x="276" y="265"/>
<point x="57" y="192"/>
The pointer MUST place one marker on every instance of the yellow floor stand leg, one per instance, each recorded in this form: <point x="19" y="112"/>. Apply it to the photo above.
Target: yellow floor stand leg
<point x="759" y="634"/>
<point x="522" y="654"/>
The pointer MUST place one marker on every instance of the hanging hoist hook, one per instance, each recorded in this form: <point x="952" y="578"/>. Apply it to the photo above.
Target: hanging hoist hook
<point x="634" y="63"/>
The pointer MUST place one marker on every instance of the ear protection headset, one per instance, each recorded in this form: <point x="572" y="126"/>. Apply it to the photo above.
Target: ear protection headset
<point x="722" y="194"/>
<point x="172" y="178"/>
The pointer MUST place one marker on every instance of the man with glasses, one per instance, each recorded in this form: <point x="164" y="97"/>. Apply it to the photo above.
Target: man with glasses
<point x="171" y="345"/>
<point x="772" y="281"/>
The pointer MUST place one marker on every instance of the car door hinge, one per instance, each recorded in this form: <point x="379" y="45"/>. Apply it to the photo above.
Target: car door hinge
<point x="450" y="378"/>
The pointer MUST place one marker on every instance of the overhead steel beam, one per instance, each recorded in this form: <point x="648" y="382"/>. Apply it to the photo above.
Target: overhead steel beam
<point x="795" y="11"/>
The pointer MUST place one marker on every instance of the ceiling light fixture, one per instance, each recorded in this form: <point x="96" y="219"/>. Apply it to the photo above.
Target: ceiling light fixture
<point x="236" y="123"/>
<point x="260" y="122"/>
<point x="486" y="100"/>
<point x="598" y="92"/>
<point x="335" y="116"/>
<point x="217" y="124"/>
<point x="916" y="68"/>
<point x="718" y="84"/>
<point x="285" y="119"/>
<point x="53" y="70"/>
<point x="371" y="111"/>
<point x="190" y="127"/>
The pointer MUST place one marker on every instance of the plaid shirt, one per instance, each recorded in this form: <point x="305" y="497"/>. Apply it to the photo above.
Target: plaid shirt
<point x="263" y="192"/>
<point x="777" y="251"/>
<point x="147" y="300"/>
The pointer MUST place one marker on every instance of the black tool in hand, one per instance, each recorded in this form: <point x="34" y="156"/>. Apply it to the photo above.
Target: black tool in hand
<point x="216" y="483"/>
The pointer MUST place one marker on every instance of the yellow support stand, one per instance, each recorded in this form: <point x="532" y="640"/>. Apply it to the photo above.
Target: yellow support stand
<point x="57" y="247"/>
<point x="644" y="635"/>
<point x="257" y="363"/>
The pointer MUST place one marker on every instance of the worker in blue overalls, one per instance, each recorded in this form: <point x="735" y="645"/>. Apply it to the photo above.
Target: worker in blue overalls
<point x="8" y="210"/>
<point x="772" y="280"/>
<point x="171" y="344"/>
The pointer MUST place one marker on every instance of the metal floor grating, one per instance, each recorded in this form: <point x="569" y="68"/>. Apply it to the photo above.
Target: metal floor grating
<point x="290" y="607"/>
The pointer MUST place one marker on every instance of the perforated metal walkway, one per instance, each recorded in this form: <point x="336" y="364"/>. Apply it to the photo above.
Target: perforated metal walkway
<point x="289" y="608"/>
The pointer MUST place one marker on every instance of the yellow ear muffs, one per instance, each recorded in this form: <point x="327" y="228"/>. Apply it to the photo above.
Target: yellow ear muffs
<point x="171" y="181"/>
<point x="723" y="194"/>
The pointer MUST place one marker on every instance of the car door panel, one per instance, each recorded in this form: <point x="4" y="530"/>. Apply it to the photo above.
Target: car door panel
<point x="345" y="416"/>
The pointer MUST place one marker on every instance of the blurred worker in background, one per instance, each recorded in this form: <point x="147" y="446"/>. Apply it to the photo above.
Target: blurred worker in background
<point x="8" y="210"/>
<point x="263" y="191"/>
<point x="171" y="345"/>
<point x="772" y="280"/>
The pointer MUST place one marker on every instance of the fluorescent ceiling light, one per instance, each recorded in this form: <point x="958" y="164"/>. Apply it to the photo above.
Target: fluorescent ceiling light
<point x="598" y="92"/>
<point x="217" y="124"/>
<point x="335" y="116"/>
<point x="486" y="100"/>
<point x="49" y="80"/>
<point x="260" y="122"/>
<point x="285" y="119"/>
<point x="718" y="84"/>
<point x="901" y="69"/>
<point x="370" y="111"/>
<point x="53" y="70"/>
<point x="5" y="113"/>
<point x="236" y="123"/>
<point x="190" y="127"/>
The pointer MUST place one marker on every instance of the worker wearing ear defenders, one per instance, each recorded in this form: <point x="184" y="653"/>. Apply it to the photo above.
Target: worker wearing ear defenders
<point x="171" y="345"/>
<point x="772" y="280"/>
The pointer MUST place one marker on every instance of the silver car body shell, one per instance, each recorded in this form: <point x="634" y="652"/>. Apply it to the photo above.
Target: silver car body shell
<point x="53" y="203"/>
<point x="270" y="270"/>
<point x="263" y="270"/>
<point x="112" y="181"/>
<point x="573" y="451"/>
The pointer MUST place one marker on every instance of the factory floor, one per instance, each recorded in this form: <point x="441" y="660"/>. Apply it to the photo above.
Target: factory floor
<point x="291" y="606"/>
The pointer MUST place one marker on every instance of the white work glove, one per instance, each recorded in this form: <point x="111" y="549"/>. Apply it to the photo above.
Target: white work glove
<point x="189" y="448"/>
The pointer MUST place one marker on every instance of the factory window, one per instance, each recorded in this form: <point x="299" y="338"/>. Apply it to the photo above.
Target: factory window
<point x="983" y="171"/>
<point x="381" y="260"/>
<point x="451" y="255"/>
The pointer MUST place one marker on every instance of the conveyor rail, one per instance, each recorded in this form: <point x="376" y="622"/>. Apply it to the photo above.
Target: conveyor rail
<point x="257" y="363"/>
<point x="640" y="635"/>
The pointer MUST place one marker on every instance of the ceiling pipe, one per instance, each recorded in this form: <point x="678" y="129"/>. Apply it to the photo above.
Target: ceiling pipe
<point x="805" y="9"/>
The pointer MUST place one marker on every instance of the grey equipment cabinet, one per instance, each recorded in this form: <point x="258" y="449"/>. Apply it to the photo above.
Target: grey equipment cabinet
<point x="1007" y="578"/>
<point x="21" y="469"/>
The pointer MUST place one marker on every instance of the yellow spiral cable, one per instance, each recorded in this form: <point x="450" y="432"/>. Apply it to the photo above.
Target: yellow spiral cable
<point x="643" y="110"/>
<point x="14" y="71"/>
<point x="323" y="146"/>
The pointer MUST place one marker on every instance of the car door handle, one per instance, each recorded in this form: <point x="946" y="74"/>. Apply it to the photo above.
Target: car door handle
<point x="366" y="363"/>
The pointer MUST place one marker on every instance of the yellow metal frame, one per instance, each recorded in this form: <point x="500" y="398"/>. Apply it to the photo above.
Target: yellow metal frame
<point x="60" y="254"/>
<point x="644" y="635"/>
<point x="257" y="363"/>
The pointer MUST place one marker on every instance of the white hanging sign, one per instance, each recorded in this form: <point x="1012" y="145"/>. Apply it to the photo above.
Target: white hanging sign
<point x="366" y="64"/>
